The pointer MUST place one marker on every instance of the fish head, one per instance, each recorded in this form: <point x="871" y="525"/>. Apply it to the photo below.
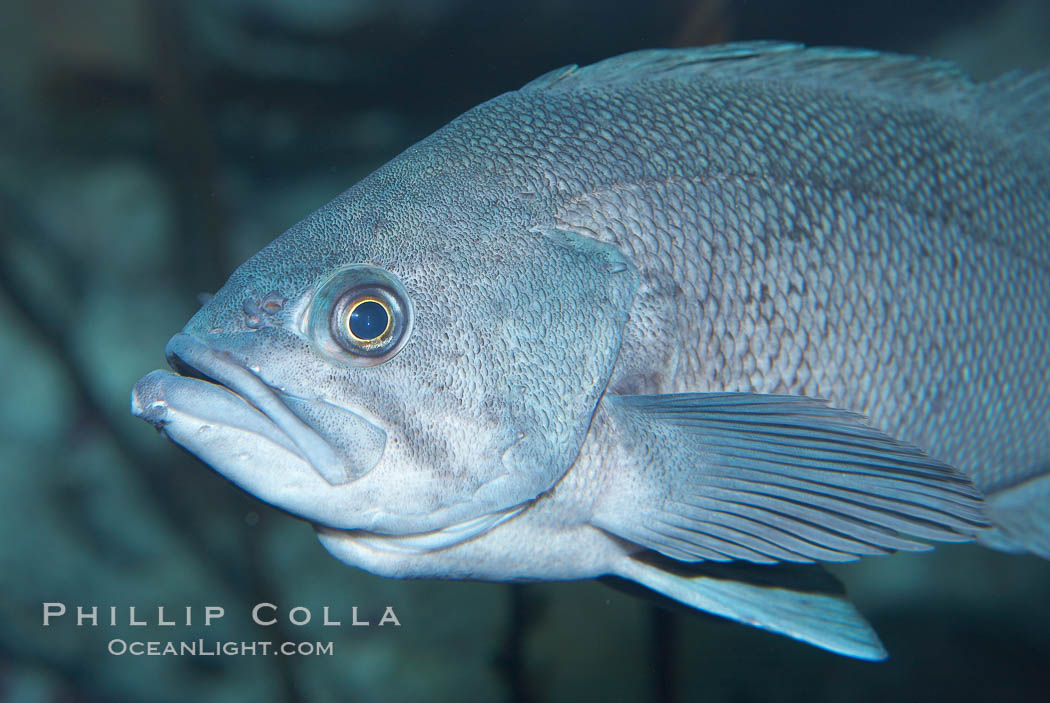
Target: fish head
<point x="399" y="362"/>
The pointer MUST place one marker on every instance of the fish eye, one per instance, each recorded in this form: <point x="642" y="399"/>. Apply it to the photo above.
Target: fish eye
<point x="360" y="314"/>
<point x="369" y="319"/>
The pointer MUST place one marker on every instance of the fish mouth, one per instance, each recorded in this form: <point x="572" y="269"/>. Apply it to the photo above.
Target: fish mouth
<point x="309" y="457"/>
<point x="197" y="363"/>
<point x="251" y="433"/>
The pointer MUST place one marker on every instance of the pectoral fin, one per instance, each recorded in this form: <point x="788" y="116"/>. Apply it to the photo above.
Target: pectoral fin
<point x="809" y="612"/>
<point x="768" y="478"/>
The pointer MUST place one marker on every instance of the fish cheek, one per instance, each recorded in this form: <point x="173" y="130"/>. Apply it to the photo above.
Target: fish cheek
<point x="510" y="353"/>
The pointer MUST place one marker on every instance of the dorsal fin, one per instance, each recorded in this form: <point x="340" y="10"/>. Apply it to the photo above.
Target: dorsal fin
<point x="860" y="70"/>
<point x="1017" y="105"/>
<point x="650" y="64"/>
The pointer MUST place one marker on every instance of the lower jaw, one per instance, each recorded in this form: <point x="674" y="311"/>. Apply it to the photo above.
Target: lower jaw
<point x="425" y="542"/>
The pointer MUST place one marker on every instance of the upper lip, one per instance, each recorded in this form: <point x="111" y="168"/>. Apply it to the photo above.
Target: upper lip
<point x="189" y="356"/>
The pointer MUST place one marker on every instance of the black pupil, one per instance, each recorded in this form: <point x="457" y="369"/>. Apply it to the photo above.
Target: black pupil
<point x="368" y="320"/>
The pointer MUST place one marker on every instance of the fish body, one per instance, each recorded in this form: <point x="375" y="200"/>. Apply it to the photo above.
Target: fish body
<point x="659" y="318"/>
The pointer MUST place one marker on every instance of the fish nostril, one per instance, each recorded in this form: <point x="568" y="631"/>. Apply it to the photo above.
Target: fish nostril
<point x="273" y="302"/>
<point x="257" y="311"/>
<point x="253" y="314"/>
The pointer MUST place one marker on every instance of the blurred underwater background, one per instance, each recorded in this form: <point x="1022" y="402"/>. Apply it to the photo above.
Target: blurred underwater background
<point x="147" y="147"/>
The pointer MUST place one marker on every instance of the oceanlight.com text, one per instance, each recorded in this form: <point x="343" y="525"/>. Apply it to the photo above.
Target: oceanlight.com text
<point x="215" y="648"/>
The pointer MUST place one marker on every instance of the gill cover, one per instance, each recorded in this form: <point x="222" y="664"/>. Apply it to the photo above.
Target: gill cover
<point x="555" y="357"/>
<point x="514" y="339"/>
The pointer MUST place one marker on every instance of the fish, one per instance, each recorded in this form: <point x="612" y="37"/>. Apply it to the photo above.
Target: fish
<point x="697" y="319"/>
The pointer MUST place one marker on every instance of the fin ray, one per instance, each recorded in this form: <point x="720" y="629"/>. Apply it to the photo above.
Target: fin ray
<point x="890" y="76"/>
<point x="704" y="481"/>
